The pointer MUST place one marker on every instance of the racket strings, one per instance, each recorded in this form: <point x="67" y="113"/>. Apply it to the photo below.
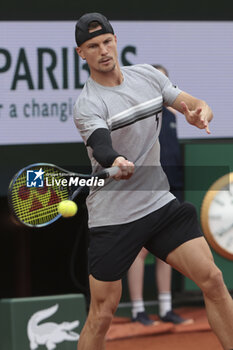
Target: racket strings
<point x="36" y="206"/>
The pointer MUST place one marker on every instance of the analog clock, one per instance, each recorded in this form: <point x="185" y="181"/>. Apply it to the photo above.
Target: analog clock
<point x="217" y="216"/>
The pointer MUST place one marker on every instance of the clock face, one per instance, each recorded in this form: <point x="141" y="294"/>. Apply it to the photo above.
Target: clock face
<point x="217" y="216"/>
<point x="220" y="217"/>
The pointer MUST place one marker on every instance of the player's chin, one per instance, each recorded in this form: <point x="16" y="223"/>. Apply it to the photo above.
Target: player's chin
<point x="108" y="68"/>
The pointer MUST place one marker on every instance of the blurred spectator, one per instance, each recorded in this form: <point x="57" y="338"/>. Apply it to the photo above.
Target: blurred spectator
<point x="171" y="162"/>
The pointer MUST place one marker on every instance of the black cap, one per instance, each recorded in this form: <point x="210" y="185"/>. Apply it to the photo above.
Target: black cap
<point x="82" y="32"/>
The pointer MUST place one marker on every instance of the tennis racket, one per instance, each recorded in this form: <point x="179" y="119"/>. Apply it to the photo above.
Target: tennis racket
<point x="36" y="190"/>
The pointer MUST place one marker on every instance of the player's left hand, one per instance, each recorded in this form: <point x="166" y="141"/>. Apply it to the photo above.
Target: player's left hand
<point x="196" y="117"/>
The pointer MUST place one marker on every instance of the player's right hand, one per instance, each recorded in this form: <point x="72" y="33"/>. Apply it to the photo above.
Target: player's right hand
<point x="126" y="168"/>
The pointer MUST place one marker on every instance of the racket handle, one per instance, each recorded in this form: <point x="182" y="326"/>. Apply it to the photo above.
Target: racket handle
<point x="104" y="174"/>
<point x="112" y="171"/>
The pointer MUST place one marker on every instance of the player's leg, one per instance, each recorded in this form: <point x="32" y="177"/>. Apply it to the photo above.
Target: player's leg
<point x="194" y="259"/>
<point x="105" y="297"/>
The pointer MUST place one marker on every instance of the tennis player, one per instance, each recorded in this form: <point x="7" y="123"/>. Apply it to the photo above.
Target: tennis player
<point x="118" y="114"/>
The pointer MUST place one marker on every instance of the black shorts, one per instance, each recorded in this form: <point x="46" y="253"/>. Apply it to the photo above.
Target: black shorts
<point x="114" y="248"/>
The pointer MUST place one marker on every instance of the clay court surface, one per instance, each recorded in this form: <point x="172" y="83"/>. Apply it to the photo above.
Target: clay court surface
<point x="125" y="335"/>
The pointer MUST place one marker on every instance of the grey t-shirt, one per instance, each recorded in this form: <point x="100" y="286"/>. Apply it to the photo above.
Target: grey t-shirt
<point x="131" y="111"/>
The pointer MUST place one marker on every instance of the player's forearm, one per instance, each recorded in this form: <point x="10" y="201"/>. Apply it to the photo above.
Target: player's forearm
<point x="101" y="144"/>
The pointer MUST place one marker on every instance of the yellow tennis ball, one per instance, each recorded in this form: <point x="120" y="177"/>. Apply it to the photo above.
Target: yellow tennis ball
<point x="67" y="208"/>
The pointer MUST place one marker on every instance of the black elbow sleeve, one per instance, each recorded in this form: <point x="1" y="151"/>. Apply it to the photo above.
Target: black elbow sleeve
<point x="101" y="143"/>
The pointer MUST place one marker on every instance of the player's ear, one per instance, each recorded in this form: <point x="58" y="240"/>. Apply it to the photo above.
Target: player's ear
<point x="80" y="52"/>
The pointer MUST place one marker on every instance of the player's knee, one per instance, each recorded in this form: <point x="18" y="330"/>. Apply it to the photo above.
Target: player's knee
<point x="101" y="316"/>
<point x="101" y="322"/>
<point x="213" y="286"/>
<point x="105" y="319"/>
